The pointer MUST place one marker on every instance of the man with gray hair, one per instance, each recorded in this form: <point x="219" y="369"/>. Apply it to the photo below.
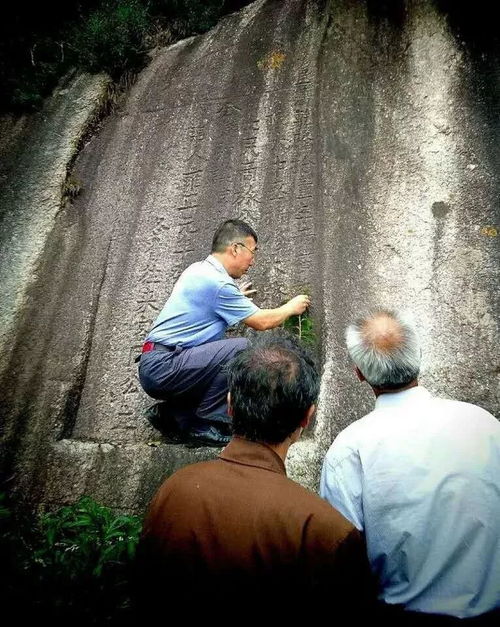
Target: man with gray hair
<point x="420" y="476"/>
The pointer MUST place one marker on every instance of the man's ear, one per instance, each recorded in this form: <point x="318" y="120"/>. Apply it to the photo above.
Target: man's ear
<point x="229" y="406"/>
<point x="359" y="374"/>
<point x="308" y="416"/>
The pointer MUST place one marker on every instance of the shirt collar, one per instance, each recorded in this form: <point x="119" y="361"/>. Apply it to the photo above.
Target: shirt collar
<point x="395" y="399"/>
<point x="217" y="264"/>
<point x="247" y="453"/>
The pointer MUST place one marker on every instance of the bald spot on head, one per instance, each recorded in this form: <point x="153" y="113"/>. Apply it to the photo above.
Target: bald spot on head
<point x="382" y="333"/>
<point x="276" y="361"/>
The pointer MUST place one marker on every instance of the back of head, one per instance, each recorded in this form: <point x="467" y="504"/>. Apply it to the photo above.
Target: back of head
<point x="384" y="346"/>
<point x="229" y="232"/>
<point x="272" y="384"/>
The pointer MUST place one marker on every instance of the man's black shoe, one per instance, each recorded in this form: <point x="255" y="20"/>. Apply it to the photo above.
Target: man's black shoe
<point x="153" y="416"/>
<point x="208" y="436"/>
<point x="163" y="421"/>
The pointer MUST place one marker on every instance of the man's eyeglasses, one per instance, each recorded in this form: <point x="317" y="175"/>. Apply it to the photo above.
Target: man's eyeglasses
<point x="245" y="246"/>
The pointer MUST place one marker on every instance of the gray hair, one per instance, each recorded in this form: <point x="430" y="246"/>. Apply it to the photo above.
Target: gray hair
<point x="393" y="367"/>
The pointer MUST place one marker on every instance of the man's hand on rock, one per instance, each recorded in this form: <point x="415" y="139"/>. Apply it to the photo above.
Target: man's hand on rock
<point x="246" y="289"/>
<point x="299" y="304"/>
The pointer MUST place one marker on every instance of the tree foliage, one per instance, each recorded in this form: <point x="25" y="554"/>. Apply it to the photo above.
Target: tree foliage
<point x="39" y="43"/>
<point x="112" y="38"/>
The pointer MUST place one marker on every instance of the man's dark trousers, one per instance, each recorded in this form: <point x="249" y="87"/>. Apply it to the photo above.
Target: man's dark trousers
<point x="193" y="380"/>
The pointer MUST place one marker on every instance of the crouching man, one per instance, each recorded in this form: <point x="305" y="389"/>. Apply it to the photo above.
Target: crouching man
<point x="185" y="354"/>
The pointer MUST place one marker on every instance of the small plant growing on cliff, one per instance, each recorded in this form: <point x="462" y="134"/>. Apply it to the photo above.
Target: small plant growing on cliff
<point x="302" y="326"/>
<point x="70" y="189"/>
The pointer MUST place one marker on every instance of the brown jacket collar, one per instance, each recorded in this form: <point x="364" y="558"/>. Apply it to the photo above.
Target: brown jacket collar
<point x="257" y="454"/>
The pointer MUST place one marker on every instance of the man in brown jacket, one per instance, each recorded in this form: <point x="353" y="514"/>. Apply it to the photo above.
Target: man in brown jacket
<point x="236" y="531"/>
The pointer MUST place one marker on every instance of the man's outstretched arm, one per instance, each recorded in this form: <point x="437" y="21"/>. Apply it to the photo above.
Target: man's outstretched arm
<point x="270" y="318"/>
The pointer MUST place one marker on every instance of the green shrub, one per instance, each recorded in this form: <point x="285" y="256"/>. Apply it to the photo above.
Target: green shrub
<point x="73" y="565"/>
<point x="112" y="37"/>
<point x="86" y="538"/>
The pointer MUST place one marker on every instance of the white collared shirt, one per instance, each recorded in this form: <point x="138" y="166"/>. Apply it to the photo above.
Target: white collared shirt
<point x="421" y="476"/>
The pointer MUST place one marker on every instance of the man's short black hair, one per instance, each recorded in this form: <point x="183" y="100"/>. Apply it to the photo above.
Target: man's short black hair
<point x="231" y="231"/>
<point x="272" y="383"/>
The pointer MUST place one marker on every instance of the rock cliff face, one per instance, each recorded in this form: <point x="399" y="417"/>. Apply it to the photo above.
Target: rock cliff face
<point x="361" y="143"/>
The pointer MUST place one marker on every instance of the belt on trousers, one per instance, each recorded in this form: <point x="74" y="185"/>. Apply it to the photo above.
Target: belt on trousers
<point x="154" y="346"/>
